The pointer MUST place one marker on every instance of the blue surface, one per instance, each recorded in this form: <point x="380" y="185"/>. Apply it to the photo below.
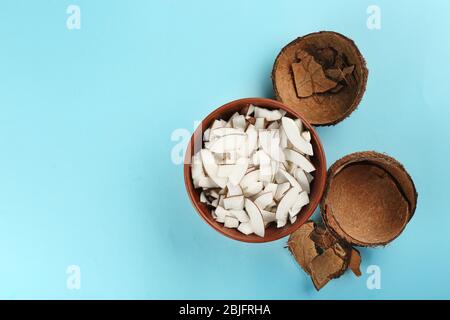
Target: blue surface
<point x="86" y="118"/>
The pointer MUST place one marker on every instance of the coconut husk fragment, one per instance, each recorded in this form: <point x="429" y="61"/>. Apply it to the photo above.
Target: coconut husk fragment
<point x="332" y="51"/>
<point x="302" y="247"/>
<point x="322" y="237"/>
<point x="325" y="267"/>
<point x="355" y="262"/>
<point x="320" y="255"/>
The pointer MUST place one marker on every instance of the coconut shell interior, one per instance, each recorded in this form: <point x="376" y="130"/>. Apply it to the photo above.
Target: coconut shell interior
<point x="326" y="108"/>
<point x="369" y="199"/>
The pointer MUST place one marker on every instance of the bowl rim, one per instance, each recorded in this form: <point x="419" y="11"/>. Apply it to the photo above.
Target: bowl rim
<point x="315" y="200"/>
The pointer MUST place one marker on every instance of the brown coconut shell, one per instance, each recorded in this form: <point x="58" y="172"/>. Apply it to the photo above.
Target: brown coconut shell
<point x="320" y="254"/>
<point x="369" y="199"/>
<point x="327" y="108"/>
<point x="302" y="247"/>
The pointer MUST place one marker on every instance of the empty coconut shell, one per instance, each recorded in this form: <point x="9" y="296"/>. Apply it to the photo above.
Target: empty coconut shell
<point x="337" y="55"/>
<point x="369" y="198"/>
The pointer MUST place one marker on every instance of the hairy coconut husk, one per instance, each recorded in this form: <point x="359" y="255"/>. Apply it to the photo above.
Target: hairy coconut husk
<point x="327" y="108"/>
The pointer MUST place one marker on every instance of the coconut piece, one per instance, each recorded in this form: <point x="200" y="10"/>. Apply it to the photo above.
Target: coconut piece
<point x="203" y="197"/>
<point x="221" y="203"/>
<point x="283" y="138"/>
<point x="211" y="168"/>
<point x="302" y="179"/>
<point x="239" y="171"/>
<point x="233" y="190"/>
<point x="256" y="220"/>
<point x="241" y="215"/>
<point x="271" y="187"/>
<point x="327" y="108"/>
<point x="264" y="200"/>
<point x="249" y="179"/>
<point x="325" y="267"/>
<point x="260" y="123"/>
<point x="306" y="135"/>
<point x="309" y="176"/>
<point x="221" y="213"/>
<point x="302" y="247"/>
<point x="281" y="190"/>
<point x="248" y="110"/>
<point x="293" y="134"/>
<point x="225" y="171"/>
<point x="231" y="222"/>
<point x="230" y="121"/>
<point x="234" y="203"/>
<point x="290" y="179"/>
<point x="280" y="177"/>
<point x="206" y="182"/>
<point x="355" y="262"/>
<point x="253" y="189"/>
<point x="227" y="158"/>
<point x="239" y="122"/>
<point x="206" y="134"/>
<point x="228" y="143"/>
<point x="268" y="217"/>
<point x="273" y="125"/>
<point x="269" y="115"/>
<point x="220" y="132"/>
<point x="218" y="124"/>
<point x="197" y="170"/>
<point x="270" y="143"/>
<point x="213" y="193"/>
<point x="285" y="204"/>
<point x="252" y="139"/>
<point x="245" y="228"/>
<point x="265" y="167"/>
<point x="302" y="200"/>
<point x="369" y="198"/>
<point x="299" y="160"/>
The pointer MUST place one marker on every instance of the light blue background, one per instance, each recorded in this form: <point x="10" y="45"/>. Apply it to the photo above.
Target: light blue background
<point x="86" y="118"/>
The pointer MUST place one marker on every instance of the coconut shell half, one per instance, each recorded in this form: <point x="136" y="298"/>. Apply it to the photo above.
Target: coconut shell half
<point x="330" y="107"/>
<point x="369" y="198"/>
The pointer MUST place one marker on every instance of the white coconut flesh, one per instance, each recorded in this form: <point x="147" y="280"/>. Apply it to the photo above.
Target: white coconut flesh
<point x="255" y="170"/>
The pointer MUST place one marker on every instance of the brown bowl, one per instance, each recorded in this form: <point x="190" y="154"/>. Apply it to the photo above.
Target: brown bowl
<point x="327" y="108"/>
<point x="317" y="185"/>
<point x="369" y="199"/>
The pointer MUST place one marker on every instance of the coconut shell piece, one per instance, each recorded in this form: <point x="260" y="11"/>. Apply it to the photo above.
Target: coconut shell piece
<point x="369" y="198"/>
<point x="322" y="237"/>
<point x="355" y="262"/>
<point x="320" y="254"/>
<point x="331" y="50"/>
<point x="325" y="267"/>
<point x="302" y="247"/>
